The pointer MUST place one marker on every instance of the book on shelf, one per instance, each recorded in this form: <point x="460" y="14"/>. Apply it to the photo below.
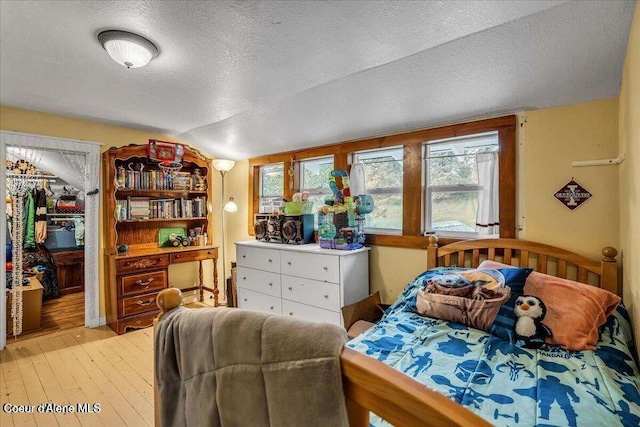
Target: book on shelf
<point x="133" y="208"/>
<point x="152" y="179"/>
<point x="139" y="207"/>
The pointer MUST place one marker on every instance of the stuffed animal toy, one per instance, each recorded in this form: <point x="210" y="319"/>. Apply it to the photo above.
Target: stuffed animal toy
<point x="530" y="331"/>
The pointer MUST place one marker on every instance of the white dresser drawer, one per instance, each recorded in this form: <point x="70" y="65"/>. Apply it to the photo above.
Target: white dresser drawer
<point x="264" y="282"/>
<point x="251" y="300"/>
<point x="259" y="258"/>
<point x="325" y="268"/>
<point x="324" y="295"/>
<point x="303" y="311"/>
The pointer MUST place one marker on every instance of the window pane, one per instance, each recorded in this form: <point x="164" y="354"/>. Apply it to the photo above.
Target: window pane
<point x="450" y="170"/>
<point x="314" y="175"/>
<point x="314" y="179"/>
<point x="387" y="212"/>
<point x="454" y="211"/>
<point x="383" y="176"/>
<point x="271" y="187"/>
<point x="453" y="162"/>
<point x="272" y="180"/>
<point x="452" y="185"/>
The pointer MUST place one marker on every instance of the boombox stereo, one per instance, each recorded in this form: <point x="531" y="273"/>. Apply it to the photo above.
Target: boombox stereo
<point x="296" y="229"/>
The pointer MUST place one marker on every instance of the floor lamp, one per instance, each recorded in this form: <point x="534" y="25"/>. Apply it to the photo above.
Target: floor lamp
<point x="224" y="166"/>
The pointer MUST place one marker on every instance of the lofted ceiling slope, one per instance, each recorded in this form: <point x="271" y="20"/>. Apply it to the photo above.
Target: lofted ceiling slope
<point x="241" y="79"/>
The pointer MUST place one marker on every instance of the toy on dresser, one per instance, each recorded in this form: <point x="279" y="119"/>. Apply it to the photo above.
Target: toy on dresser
<point x="341" y="220"/>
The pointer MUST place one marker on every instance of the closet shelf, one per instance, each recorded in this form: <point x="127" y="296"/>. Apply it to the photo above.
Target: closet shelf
<point x="65" y="214"/>
<point x="30" y="177"/>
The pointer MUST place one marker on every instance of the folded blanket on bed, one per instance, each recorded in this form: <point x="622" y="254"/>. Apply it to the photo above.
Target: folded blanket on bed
<point x="230" y="367"/>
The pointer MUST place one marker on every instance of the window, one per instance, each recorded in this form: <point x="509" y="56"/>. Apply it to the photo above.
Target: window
<point x="461" y="175"/>
<point x="383" y="174"/>
<point x="427" y="180"/>
<point x="271" y="187"/>
<point x="314" y="179"/>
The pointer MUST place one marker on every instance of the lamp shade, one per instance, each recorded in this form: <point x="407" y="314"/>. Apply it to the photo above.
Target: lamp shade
<point x="231" y="206"/>
<point x="223" y="165"/>
<point x="128" y="49"/>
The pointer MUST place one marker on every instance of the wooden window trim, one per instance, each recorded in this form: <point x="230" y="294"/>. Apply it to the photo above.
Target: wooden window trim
<point x="412" y="179"/>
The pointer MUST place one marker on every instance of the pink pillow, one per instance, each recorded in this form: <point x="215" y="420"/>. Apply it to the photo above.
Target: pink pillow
<point x="575" y="311"/>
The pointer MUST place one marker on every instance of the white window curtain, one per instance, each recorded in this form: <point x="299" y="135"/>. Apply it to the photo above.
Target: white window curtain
<point x="357" y="183"/>
<point x="488" y="219"/>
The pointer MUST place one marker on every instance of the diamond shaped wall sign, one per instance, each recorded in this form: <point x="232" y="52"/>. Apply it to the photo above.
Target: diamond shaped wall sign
<point x="572" y="195"/>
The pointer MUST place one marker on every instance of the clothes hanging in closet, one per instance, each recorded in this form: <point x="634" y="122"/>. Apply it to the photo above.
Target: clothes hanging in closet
<point x="29" y="222"/>
<point x="41" y="215"/>
<point x="42" y="256"/>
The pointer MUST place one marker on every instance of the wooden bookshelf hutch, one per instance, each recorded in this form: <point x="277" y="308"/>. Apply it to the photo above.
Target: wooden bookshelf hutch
<point x="136" y="276"/>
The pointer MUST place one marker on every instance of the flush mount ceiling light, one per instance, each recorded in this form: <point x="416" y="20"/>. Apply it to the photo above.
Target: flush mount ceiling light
<point x="128" y="49"/>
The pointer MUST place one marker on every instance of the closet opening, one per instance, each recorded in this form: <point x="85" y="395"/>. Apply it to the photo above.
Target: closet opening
<point x="50" y="236"/>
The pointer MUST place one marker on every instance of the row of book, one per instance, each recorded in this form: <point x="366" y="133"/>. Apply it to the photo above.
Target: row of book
<point x="158" y="180"/>
<point x="147" y="208"/>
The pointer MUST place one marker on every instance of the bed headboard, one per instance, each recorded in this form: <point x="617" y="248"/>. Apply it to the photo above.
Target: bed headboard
<point x="539" y="256"/>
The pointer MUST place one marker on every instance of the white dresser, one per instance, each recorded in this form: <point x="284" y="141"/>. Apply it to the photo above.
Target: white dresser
<point x="303" y="281"/>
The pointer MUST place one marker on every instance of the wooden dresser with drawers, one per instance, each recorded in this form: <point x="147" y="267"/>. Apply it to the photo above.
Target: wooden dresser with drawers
<point x="300" y="280"/>
<point x="136" y="277"/>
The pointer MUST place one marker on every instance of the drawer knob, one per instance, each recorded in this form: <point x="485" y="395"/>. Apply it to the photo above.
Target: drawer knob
<point x="290" y="288"/>
<point x="326" y="296"/>
<point x="244" y="256"/>
<point x="325" y="268"/>
<point x="291" y="313"/>
<point x="271" y="308"/>
<point x="244" y="278"/>
<point x="270" y="260"/>
<point x="270" y="284"/>
<point x="208" y="252"/>
<point x="177" y="255"/>
<point x="245" y="300"/>
<point x="289" y="263"/>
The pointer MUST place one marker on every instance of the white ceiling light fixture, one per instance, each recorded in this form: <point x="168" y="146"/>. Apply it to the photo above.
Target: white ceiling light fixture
<point x="128" y="49"/>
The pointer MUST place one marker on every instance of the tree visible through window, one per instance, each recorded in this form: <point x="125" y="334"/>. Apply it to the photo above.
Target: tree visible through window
<point x="314" y="179"/>
<point x="383" y="170"/>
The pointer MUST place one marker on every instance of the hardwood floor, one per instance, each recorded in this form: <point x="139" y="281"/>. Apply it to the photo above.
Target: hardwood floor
<point x="77" y="366"/>
<point x="71" y="366"/>
<point x="58" y="314"/>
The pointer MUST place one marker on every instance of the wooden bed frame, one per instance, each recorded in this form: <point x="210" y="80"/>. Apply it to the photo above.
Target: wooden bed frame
<point x="370" y="385"/>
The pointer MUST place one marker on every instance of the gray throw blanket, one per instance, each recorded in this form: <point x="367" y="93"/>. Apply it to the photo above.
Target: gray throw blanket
<point x="229" y="367"/>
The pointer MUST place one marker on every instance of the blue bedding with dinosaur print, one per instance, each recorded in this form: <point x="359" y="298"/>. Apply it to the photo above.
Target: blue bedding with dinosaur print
<point x="505" y="384"/>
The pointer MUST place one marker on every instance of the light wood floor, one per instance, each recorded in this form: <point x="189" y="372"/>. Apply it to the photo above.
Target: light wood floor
<point x="80" y="365"/>
<point x="58" y="314"/>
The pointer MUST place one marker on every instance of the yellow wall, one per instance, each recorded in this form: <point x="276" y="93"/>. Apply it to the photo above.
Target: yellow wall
<point x="630" y="176"/>
<point x="18" y="120"/>
<point x="553" y="138"/>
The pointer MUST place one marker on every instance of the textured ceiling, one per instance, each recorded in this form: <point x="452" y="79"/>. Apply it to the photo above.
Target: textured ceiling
<point x="240" y="79"/>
